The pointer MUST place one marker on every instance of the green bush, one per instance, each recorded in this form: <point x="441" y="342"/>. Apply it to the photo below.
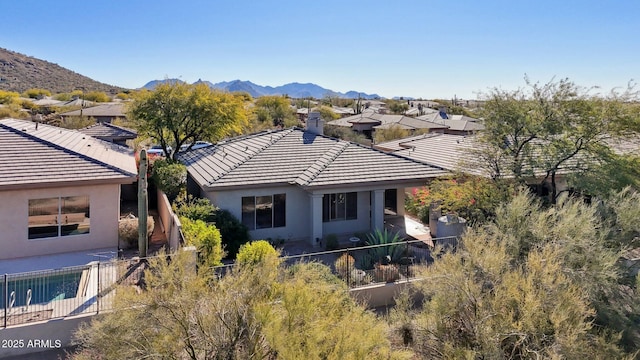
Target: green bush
<point x="206" y="238"/>
<point x="36" y="93"/>
<point x="170" y="177"/>
<point x="96" y="96"/>
<point x="331" y="242"/>
<point x="234" y="233"/>
<point x="7" y="97"/>
<point x="255" y="252"/>
<point x="194" y="208"/>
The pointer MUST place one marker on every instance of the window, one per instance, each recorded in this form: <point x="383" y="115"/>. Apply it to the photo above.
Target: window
<point x="61" y="216"/>
<point x="263" y="212"/>
<point x="340" y="206"/>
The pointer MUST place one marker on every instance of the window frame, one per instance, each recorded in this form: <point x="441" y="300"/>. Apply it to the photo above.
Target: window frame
<point x="340" y="206"/>
<point x="64" y="218"/>
<point x="255" y="210"/>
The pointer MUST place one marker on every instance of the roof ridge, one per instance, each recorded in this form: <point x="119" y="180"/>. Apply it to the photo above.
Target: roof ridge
<point x="64" y="149"/>
<point x="314" y="170"/>
<point x="281" y="134"/>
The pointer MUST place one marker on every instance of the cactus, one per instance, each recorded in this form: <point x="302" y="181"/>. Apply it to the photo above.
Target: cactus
<point x="143" y="205"/>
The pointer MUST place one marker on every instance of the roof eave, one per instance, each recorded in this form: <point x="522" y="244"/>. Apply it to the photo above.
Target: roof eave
<point x="57" y="184"/>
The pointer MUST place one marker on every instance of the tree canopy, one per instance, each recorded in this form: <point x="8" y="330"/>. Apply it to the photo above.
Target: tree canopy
<point x="551" y="130"/>
<point x="177" y="114"/>
<point x="275" y="111"/>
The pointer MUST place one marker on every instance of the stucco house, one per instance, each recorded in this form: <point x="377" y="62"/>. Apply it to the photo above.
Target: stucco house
<point x="59" y="190"/>
<point x="298" y="184"/>
<point x="369" y="121"/>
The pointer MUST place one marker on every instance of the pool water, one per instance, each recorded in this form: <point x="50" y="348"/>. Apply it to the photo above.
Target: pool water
<point x="43" y="289"/>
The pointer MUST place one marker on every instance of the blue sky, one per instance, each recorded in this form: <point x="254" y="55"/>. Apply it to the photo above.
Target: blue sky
<point x="422" y="48"/>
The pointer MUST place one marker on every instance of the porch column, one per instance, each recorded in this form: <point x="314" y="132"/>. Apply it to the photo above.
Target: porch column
<point x="400" y="201"/>
<point x="377" y="209"/>
<point x="315" y="214"/>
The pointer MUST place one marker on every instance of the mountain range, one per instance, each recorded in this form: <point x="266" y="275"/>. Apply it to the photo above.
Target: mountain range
<point x="294" y="90"/>
<point x="19" y="72"/>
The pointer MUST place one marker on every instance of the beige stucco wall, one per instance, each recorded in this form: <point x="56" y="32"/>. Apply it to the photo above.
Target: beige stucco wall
<point x="14" y="211"/>
<point x="298" y="217"/>
<point x="297" y="210"/>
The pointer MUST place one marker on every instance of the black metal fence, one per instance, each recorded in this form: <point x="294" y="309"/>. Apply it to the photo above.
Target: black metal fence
<point x="52" y="294"/>
<point x="89" y="289"/>
<point x="365" y="265"/>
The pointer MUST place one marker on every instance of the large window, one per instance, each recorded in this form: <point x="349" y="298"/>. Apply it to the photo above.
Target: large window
<point x="340" y="206"/>
<point x="262" y="212"/>
<point x="60" y="216"/>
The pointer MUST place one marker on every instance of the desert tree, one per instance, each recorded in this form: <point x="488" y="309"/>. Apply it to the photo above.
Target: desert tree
<point x="177" y="114"/>
<point x="544" y="131"/>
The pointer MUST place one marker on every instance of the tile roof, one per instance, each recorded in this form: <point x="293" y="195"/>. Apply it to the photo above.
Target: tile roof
<point x="103" y="131"/>
<point x="451" y="152"/>
<point x="454" y="122"/>
<point x="383" y="121"/>
<point x="38" y="154"/>
<point x="109" y="109"/>
<point x="294" y="156"/>
<point x="459" y="153"/>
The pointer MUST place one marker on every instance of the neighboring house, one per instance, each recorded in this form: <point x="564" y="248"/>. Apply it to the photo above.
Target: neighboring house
<point x="107" y="112"/>
<point x="456" y="124"/>
<point x="59" y="189"/>
<point x="458" y="153"/>
<point x="111" y="133"/>
<point x="369" y="121"/>
<point x="301" y="185"/>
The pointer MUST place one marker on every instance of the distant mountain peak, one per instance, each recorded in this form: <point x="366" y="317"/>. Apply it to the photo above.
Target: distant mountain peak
<point x="294" y="89"/>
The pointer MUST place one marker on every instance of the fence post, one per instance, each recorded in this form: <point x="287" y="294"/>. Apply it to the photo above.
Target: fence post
<point x="99" y="291"/>
<point x="6" y="299"/>
<point x="347" y="270"/>
<point x="406" y="254"/>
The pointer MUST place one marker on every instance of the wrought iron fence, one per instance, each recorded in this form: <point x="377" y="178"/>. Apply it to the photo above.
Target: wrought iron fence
<point x="52" y="294"/>
<point x="89" y="289"/>
<point x="365" y="265"/>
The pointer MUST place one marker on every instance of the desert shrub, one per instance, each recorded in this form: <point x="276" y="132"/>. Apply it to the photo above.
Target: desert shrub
<point x="77" y="122"/>
<point x="331" y="242"/>
<point x="36" y="93"/>
<point x="346" y="133"/>
<point x="170" y="177"/>
<point x="234" y="233"/>
<point x="13" y="111"/>
<point x="256" y="252"/>
<point x="27" y="104"/>
<point x="128" y="231"/>
<point x="8" y="97"/>
<point x="206" y="238"/>
<point x="123" y="96"/>
<point x="96" y="96"/>
<point x="193" y="208"/>
<point x="344" y="265"/>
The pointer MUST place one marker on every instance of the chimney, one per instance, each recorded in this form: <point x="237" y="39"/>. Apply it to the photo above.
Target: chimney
<point x="315" y="124"/>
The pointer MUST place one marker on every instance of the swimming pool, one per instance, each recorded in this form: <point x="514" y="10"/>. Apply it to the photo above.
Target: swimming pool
<point x="50" y="286"/>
